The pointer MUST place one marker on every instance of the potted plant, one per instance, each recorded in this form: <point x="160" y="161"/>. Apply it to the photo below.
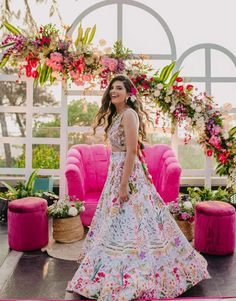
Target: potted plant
<point x="46" y="157"/>
<point x="67" y="225"/>
<point x="5" y="197"/>
<point x="205" y="194"/>
<point x="21" y="190"/>
<point x="183" y="213"/>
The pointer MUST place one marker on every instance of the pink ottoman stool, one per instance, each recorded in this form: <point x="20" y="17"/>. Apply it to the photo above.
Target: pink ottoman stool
<point x="214" y="230"/>
<point x="27" y="224"/>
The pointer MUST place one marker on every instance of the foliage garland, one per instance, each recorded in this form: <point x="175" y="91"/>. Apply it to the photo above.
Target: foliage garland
<point x="46" y="57"/>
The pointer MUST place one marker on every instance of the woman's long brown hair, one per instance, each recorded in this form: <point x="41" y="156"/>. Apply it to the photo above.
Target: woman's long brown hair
<point x="108" y="110"/>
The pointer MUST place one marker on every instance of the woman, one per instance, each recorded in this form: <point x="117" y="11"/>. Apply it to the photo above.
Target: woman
<point x="134" y="248"/>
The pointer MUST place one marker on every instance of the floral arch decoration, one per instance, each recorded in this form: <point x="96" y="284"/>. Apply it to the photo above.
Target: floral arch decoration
<point x="47" y="56"/>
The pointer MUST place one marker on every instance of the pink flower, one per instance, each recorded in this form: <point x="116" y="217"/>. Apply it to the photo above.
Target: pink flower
<point x="87" y="77"/>
<point x="113" y="64"/>
<point x="216" y="130"/>
<point x="184" y="216"/>
<point x="215" y="141"/>
<point x="55" y="61"/>
<point x="133" y="91"/>
<point x="110" y="63"/>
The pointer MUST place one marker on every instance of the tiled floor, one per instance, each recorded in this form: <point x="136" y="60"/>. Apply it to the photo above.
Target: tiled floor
<point x="38" y="276"/>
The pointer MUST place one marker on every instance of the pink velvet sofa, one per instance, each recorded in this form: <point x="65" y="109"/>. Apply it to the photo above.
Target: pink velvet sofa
<point x="87" y="167"/>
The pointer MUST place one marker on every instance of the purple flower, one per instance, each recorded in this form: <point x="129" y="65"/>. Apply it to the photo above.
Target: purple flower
<point x="91" y="233"/>
<point x="177" y="241"/>
<point x="142" y="255"/>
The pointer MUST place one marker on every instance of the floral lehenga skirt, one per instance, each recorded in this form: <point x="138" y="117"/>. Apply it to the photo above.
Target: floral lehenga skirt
<point x="135" y="250"/>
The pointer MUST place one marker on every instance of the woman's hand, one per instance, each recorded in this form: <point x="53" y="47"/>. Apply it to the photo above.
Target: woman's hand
<point x="123" y="193"/>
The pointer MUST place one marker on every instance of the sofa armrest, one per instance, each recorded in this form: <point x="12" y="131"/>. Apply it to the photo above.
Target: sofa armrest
<point x="169" y="183"/>
<point x="75" y="180"/>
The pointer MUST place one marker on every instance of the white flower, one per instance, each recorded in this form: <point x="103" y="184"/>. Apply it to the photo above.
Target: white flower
<point x="187" y="205"/>
<point x="172" y="108"/>
<point x="167" y="99"/>
<point x="157" y="93"/>
<point x="82" y="209"/>
<point x="72" y="211"/>
<point x="102" y="42"/>
<point x="198" y="109"/>
<point x="108" y="50"/>
<point x="225" y="135"/>
<point x="159" y="86"/>
<point x="133" y="98"/>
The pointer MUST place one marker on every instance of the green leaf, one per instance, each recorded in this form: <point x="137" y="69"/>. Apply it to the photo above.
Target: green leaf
<point x="9" y="187"/>
<point x="92" y="34"/>
<point x="43" y="74"/>
<point x="173" y="78"/>
<point x="232" y="131"/>
<point x="163" y="71"/>
<point x="85" y="38"/>
<point x="52" y="79"/>
<point x="168" y="71"/>
<point x="7" y="45"/>
<point x="4" y="60"/>
<point x="37" y="78"/>
<point x="49" y="71"/>
<point x="79" y="36"/>
<point x="11" y="28"/>
<point x="30" y="183"/>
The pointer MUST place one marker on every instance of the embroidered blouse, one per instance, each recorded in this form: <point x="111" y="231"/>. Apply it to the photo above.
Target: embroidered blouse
<point x="116" y="133"/>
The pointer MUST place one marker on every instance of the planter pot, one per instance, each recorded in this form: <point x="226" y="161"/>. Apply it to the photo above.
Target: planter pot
<point x="43" y="184"/>
<point x="68" y="229"/>
<point x="187" y="229"/>
<point x="3" y="209"/>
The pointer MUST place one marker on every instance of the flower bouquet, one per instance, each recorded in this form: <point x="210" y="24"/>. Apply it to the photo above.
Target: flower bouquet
<point x="67" y="207"/>
<point x="183" y="212"/>
<point x="67" y="225"/>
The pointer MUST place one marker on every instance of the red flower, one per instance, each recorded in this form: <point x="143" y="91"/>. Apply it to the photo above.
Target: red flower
<point x="157" y="275"/>
<point x="189" y="87"/>
<point x="35" y="74"/>
<point x="33" y="63"/>
<point x="101" y="274"/>
<point x="175" y="270"/>
<point x="179" y="79"/>
<point x="209" y="152"/>
<point x="222" y="158"/>
<point x="126" y="276"/>
<point x="175" y="87"/>
<point x="180" y="88"/>
<point x="28" y="73"/>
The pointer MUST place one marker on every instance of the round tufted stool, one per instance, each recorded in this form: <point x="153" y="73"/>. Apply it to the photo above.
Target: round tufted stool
<point x="214" y="229"/>
<point x="27" y="224"/>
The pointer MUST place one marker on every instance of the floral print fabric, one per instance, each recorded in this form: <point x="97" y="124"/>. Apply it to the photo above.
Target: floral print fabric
<point x="135" y="250"/>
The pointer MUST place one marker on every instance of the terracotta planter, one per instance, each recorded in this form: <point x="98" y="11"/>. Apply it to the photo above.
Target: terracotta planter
<point x="68" y="229"/>
<point x="187" y="229"/>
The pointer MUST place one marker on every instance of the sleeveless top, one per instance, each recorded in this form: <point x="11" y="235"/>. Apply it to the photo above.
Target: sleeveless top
<point x="116" y="133"/>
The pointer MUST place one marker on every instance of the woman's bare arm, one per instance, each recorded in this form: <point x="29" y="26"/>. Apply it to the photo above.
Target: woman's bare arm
<point x="130" y="124"/>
